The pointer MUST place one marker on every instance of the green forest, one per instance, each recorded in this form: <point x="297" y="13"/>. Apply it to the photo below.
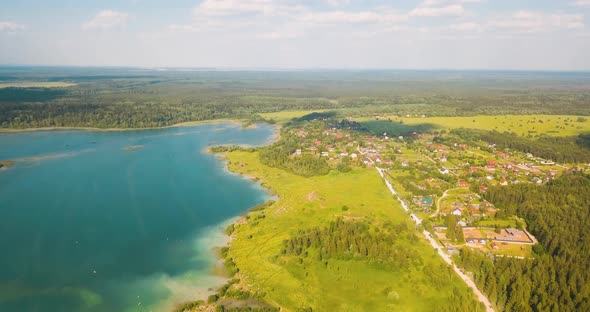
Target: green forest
<point x="128" y="98"/>
<point x="388" y="246"/>
<point x="559" y="149"/>
<point x="557" y="278"/>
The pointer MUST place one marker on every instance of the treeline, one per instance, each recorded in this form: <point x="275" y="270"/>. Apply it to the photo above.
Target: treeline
<point x="388" y="246"/>
<point x="357" y="240"/>
<point x="558" y="278"/>
<point x="559" y="149"/>
<point x="113" y="98"/>
<point x="280" y="155"/>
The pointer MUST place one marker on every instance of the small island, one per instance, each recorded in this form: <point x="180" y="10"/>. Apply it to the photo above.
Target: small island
<point x="4" y="164"/>
<point x="132" y="148"/>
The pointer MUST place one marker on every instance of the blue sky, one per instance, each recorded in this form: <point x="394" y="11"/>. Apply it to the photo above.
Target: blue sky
<point x="425" y="34"/>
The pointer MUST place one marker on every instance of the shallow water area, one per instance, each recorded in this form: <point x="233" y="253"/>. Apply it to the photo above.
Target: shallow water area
<point x="116" y="221"/>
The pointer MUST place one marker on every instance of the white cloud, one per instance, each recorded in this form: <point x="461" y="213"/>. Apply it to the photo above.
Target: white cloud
<point x="469" y="26"/>
<point x="366" y="17"/>
<point x="450" y="10"/>
<point x="107" y="19"/>
<point x="237" y="7"/>
<point x="429" y="3"/>
<point x="10" y="27"/>
<point x="336" y="3"/>
<point x="581" y="3"/>
<point x="531" y="22"/>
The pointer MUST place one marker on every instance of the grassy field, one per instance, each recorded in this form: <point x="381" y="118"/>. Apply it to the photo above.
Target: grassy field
<point x="534" y="125"/>
<point x="55" y="84"/>
<point x="553" y="125"/>
<point x="342" y="285"/>
<point x="514" y="250"/>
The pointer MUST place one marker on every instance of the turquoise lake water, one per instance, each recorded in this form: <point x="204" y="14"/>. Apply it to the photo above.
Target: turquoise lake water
<point x="88" y="226"/>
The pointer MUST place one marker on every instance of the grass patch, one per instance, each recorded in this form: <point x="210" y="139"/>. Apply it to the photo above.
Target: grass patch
<point x="294" y="283"/>
<point x="49" y="84"/>
<point x="551" y="125"/>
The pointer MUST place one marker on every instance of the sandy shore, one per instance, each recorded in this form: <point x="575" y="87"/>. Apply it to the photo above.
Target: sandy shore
<point x="182" y="124"/>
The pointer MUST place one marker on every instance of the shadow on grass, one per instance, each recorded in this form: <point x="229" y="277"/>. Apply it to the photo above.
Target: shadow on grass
<point x="316" y="115"/>
<point x="378" y="127"/>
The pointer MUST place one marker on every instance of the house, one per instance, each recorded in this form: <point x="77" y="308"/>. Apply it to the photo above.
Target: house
<point x="503" y="182"/>
<point x="462" y="223"/>
<point x="444" y="171"/>
<point x="463" y="184"/>
<point x="426" y="201"/>
<point x="353" y="156"/>
<point x="325" y="154"/>
<point x="298" y="152"/>
<point x="490" y="168"/>
<point x="456" y="212"/>
<point x="344" y="154"/>
<point x="483" y="188"/>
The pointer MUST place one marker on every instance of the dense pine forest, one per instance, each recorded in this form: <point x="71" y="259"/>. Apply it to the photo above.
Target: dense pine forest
<point x="558" y="278"/>
<point x="138" y="98"/>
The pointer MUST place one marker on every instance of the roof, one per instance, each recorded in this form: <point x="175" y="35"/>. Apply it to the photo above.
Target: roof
<point x="427" y="200"/>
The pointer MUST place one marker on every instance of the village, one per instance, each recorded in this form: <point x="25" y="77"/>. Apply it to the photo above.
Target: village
<point x="439" y="175"/>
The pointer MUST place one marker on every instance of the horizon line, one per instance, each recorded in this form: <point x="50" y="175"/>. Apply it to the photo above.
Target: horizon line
<point x="294" y="69"/>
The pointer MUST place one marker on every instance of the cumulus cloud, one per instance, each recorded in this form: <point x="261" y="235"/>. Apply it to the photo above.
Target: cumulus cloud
<point x="449" y="10"/>
<point x="531" y="22"/>
<point x="10" y="27"/>
<point x="229" y="20"/>
<point x="367" y="17"/>
<point x="240" y="7"/>
<point x="336" y="3"/>
<point x="469" y="26"/>
<point x="107" y="19"/>
<point x="581" y="3"/>
<point x="441" y="2"/>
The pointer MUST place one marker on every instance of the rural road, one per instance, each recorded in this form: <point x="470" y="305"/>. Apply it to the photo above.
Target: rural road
<point x="482" y="298"/>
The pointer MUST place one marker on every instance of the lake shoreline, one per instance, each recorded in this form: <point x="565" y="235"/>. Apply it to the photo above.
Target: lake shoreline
<point x="215" y="246"/>
<point x="205" y="272"/>
<point x="241" y="219"/>
<point x="178" y="125"/>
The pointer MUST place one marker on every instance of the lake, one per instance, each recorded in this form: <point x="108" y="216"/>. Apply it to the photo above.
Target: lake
<point x="117" y="220"/>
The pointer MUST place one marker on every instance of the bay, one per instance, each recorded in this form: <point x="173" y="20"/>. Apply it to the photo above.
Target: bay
<point x="116" y="220"/>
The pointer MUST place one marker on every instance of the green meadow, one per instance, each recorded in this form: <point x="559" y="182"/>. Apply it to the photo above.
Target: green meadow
<point x="334" y="285"/>
<point x="524" y="125"/>
<point x="47" y="84"/>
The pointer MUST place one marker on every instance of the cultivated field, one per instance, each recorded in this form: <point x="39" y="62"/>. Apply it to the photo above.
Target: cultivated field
<point x="553" y="125"/>
<point x="36" y="85"/>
